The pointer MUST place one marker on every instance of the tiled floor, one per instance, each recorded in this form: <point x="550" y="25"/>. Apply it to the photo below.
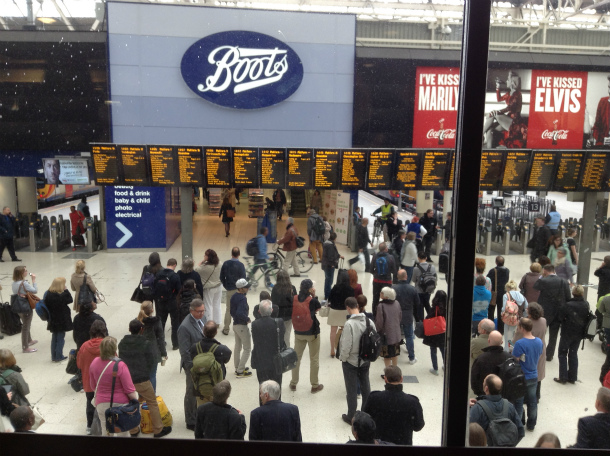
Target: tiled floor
<point x="117" y="274"/>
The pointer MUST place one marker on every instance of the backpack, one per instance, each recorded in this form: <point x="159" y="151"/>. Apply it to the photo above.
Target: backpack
<point x="3" y="375"/>
<point x="85" y="295"/>
<point x="301" y="315"/>
<point x="318" y="225"/>
<point x="370" y="343"/>
<point x="501" y="431"/>
<point x="300" y="242"/>
<point x="589" y="328"/>
<point x="162" y="286"/>
<point x="382" y="265"/>
<point x="42" y="310"/>
<point x="510" y="316"/>
<point x="148" y="281"/>
<point x="206" y="371"/>
<point x="513" y="380"/>
<point x="427" y="279"/>
<point x="252" y="246"/>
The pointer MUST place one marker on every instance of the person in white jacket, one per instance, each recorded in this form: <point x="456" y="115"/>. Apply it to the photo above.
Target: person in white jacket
<point x="408" y="255"/>
<point x="509" y="331"/>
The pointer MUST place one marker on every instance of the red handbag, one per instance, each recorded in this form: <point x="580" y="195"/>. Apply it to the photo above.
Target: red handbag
<point x="435" y="326"/>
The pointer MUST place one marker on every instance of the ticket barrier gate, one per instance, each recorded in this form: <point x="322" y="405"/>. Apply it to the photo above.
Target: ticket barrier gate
<point x="40" y="234"/>
<point x="21" y="239"/>
<point x="94" y="234"/>
<point x="484" y="238"/>
<point x="61" y="238"/>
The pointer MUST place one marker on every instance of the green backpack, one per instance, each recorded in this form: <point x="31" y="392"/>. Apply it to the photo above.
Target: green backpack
<point x="3" y="376"/>
<point x="206" y="371"/>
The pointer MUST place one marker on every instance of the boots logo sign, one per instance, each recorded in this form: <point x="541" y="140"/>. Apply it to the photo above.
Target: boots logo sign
<point x="242" y="70"/>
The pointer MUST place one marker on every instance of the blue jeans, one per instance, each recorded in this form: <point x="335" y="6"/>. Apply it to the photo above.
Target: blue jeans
<point x="433" y="356"/>
<point x="408" y="330"/>
<point x="568" y="359"/>
<point x="57" y="345"/>
<point x="329" y="276"/>
<point x="153" y="377"/>
<point x="409" y="270"/>
<point x="531" y="402"/>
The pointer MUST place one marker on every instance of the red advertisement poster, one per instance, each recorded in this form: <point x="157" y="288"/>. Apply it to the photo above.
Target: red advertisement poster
<point x="557" y="109"/>
<point x="435" y="111"/>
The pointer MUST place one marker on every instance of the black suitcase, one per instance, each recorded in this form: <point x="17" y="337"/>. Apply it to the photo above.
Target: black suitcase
<point x="78" y="240"/>
<point x="443" y="263"/>
<point x="10" y="323"/>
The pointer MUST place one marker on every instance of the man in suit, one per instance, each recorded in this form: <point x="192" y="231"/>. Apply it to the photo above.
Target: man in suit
<point x="265" y="340"/>
<point x="7" y="231"/>
<point x="554" y="292"/>
<point x="189" y="333"/>
<point x="274" y="420"/>
<point x="594" y="431"/>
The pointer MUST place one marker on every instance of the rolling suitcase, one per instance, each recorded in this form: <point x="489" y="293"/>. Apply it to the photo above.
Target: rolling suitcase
<point x="78" y="240"/>
<point x="10" y="324"/>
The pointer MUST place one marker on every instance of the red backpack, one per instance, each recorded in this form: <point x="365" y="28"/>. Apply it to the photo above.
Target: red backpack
<point x="301" y="315"/>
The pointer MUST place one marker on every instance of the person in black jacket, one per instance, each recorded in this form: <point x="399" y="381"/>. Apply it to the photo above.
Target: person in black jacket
<point x="57" y="300"/>
<point x="594" y="431"/>
<point x="222" y="354"/>
<point x="330" y="262"/>
<point x="428" y="221"/>
<point x="230" y="272"/>
<point x="166" y="289"/>
<point x="488" y="362"/>
<point x="279" y="200"/>
<point x="362" y="241"/>
<point x="263" y="296"/>
<point x="539" y="241"/>
<point x="499" y="277"/>
<point x="338" y="313"/>
<point x="186" y="295"/>
<point x="267" y="342"/>
<point x="282" y="296"/>
<point x="82" y="324"/>
<point x="153" y="331"/>
<point x="188" y="272"/>
<point x="396" y="414"/>
<point x="137" y="353"/>
<point x="437" y="341"/>
<point x="7" y="232"/>
<point x="408" y="298"/>
<point x="572" y="317"/>
<point x="274" y="420"/>
<point x="217" y="419"/>
<point x="603" y="288"/>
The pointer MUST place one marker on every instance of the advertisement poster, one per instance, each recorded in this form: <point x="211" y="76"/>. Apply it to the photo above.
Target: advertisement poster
<point x="69" y="171"/>
<point x="597" y="118"/>
<point x="342" y="217"/>
<point x="326" y="204"/>
<point x="436" y="98"/>
<point x="332" y="210"/>
<point x="557" y="109"/>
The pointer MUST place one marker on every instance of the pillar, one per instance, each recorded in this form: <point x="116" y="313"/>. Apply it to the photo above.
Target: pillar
<point x="424" y="201"/>
<point x="186" y="218"/>
<point x="447" y="199"/>
<point x="585" y="246"/>
<point x="27" y="196"/>
<point x="8" y="193"/>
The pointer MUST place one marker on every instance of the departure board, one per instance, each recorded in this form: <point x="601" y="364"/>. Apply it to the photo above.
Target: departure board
<point x="326" y="174"/>
<point x="135" y="165"/>
<point x="245" y="167"/>
<point x="272" y="168"/>
<point x="568" y="170"/>
<point x="163" y="165"/>
<point x="595" y="173"/>
<point x="353" y="168"/>
<point x="436" y="165"/>
<point x="451" y="171"/>
<point x="381" y="170"/>
<point x="106" y="164"/>
<point x="300" y="168"/>
<point x="218" y="166"/>
<point x="190" y="165"/>
<point x="542" y="170"/>
<point x="407" y="168"/>
<point x="515" y="169"/>
<point x="491" y="170"/>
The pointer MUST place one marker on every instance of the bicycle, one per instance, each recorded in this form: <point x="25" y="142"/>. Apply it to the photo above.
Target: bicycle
<point x="303" y="259"/>
<point x="377" y="228"/>
<point x="267" y="270"/>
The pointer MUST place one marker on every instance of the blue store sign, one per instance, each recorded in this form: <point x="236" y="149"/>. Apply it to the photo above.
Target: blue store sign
<point x="243" y="70"/>
<point x="133" y="215"/>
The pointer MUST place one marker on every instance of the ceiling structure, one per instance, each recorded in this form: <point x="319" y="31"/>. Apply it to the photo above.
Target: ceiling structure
<point x="564" y="26"/>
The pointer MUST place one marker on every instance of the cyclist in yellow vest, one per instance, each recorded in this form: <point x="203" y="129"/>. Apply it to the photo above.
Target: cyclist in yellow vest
<point x="387" y="209"/>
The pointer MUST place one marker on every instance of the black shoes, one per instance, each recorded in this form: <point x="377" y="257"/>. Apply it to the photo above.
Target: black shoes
<point x="190" y="427"/>
<point x="558" y="380"/>
<point x="166" y="430"/>
<point x="16" y="259"/>
<point x="346" y="419"/>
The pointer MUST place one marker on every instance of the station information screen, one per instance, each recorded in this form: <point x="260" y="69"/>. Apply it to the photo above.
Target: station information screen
<point x="381" y="170"/>
<point x="326" y="174"/>
<point x="135" y="165"/>
<point x="407" y="167"/>
<point x="272" y="167"/>
<point x="106" y="164"/>
<point x="218" y="166"/>
<point x="515" y="169"/>
<point x="595" y="173"/>
<point x="568" y="171"/>
<point x="353" y="168"/>
<point x="542" y="170"/>
<point x="451" y="172"/>
<point x="245" y="167"/>
<point x="300" y="168"/>
<point x="163" y="165"/>
<point x="491" y="170"/>
<point x="190" y="165"/>
<point x="436" y="165"/>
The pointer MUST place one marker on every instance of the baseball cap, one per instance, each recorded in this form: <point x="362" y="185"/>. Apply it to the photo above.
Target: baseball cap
<point x="242" y="283"/>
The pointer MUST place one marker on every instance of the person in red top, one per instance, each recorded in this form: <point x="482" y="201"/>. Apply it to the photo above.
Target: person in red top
<point x="601" y="127"/>
<point x="290" y="247"/>
<point x="86" y="354"/>
<point x="502" y="119"/>
<point x="76" y="222"/>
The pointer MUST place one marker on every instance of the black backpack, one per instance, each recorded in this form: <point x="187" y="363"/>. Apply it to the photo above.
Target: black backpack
<point x="513" y="380"/>
<point x="370" y="343"/>
<point x="501" y="431"/>
<point x="252" y="246"/>
<point x="318" y="225"/>
<point x="427" y="279"/>
<point x="163" y="286"/>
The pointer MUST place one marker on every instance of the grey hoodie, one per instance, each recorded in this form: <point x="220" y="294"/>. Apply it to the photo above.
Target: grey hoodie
<point x="349" y="344"/>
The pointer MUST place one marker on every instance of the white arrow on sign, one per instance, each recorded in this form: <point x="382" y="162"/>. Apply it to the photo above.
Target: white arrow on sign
<point x="126" y="234"/>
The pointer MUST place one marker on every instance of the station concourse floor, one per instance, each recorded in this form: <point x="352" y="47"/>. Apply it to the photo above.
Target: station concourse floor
<point x="117" y="274"/>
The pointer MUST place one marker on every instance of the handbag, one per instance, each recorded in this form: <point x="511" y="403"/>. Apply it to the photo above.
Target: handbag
<point x="85" y="295"/>
<point x="72" y="368"/>
<point x="76" y="382"/>
<point x="31" y="297"/>
<point x="324" y="311"/>
<point x="19" y="304"/>
<point x="286" y="359"/>
<point x="230" y="212"/>
<point x="38" y="419"/>
<point x="124" y="417"/>
<point x="138" y="294"/>
<point x="419" y="330"/>
<point x="435" y="325"/>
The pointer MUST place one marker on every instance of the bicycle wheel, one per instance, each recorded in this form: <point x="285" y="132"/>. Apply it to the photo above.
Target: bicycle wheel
<point x="305" y="263"/>
<point x="271" y="278"/>
<point x="276" y="259"/>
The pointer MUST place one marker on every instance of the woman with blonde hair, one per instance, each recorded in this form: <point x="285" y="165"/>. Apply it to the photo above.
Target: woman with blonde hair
<point x="57" y="300"/>
<point x="11" y="373"/>
<point x="153" y="331"/>
<point x="80" y="277"/>
<point x="20" y="287"/>
<point x="512" y="292"/>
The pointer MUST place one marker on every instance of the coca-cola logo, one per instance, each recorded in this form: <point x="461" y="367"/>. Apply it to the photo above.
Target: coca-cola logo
<point x="243" y="70"/>
<point x="447" y="133"/>
<point x="555" y="134"/>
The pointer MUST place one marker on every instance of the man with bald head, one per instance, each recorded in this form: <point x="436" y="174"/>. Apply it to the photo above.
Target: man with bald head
<point x="488" y="362"/>
<point x="485" y="327"/>
<point x="492" y="405"/>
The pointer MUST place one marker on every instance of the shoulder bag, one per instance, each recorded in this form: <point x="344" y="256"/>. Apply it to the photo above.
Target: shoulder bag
<point x="230" y="212"/>
<point x="31" y="298"/>
<point x="124" y="417"/>
<point x="85" y="295"/>
<point x="435" y="325"/>
<point x="286" y="359"/>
